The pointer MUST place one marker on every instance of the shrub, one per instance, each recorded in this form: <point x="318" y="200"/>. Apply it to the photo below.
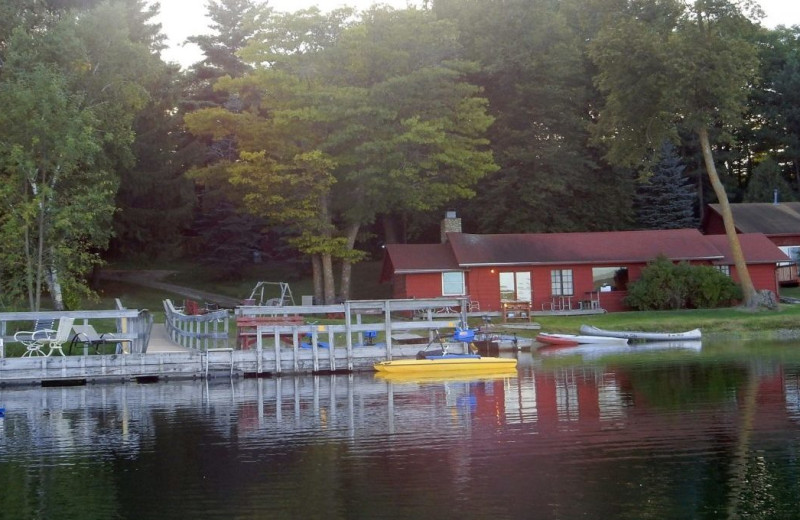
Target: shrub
<point x="664" y="285"/>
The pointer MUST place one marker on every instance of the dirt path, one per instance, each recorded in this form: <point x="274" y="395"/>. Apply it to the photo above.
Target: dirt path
<point x="153" y="278"/>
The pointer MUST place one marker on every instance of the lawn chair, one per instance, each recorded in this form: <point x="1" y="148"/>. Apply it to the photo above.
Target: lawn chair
<point x="87" y="335"/>
<point x="26" y="337"/>
<point x="55" y="339"/>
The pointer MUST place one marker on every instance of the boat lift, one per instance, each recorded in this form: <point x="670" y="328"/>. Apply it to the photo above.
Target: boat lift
<point x="258" y="295"/>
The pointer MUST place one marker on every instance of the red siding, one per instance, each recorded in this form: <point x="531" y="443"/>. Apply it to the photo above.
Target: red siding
<point x="424" y="285"/>
<point x="763" y="276"/>
<point x="483" y="285"/>
<point x="714" y="224"/>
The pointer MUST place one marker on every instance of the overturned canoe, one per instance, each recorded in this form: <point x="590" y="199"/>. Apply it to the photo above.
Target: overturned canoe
<point x="689" y="335"/>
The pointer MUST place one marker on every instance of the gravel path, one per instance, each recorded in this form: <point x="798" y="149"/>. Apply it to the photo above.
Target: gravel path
<point x="153" y="279"/>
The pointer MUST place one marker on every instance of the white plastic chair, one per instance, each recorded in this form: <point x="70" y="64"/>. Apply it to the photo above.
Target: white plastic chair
<point x="26" y="337"/>
<point x="55" y="339"/>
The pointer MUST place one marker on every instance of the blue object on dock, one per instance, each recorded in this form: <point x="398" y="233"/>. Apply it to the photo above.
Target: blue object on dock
<point x="465" y="335"/>
<point x="2" y="412"/>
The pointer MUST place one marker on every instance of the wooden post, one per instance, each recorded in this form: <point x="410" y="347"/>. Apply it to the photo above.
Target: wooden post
<point x="277" y="352"/>
<point x="387" y="322"/>
<point x="348" y="315"/>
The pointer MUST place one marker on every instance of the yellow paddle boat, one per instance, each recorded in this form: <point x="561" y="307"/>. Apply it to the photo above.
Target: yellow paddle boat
<point x="460" y="376"/>
<point x="447" y="363"/>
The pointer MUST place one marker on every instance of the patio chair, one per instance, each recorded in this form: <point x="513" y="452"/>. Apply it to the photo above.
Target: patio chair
<point x="26" y="337"/>
<point x="87" y="335"/>
<point x="55" y="339"/>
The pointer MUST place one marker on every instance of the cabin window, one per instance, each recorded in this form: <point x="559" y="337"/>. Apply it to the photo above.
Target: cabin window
<point x="515" y="287"/>
<point x="610" y="278"/>
<point x="453" y="284"/>
<point x="724" y="269"/>
<point x="561" y="282"/>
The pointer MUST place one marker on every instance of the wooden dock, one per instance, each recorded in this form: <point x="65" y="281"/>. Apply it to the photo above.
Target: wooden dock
<point x="189" y="347"/>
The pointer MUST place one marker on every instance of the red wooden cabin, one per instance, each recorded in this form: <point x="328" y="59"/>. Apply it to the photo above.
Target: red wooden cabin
<point x="561" y="271"/>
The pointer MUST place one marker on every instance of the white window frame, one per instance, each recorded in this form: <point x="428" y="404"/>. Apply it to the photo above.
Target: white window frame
<point x="522" y="285"/>
<point x="724" y="269"/>
<point x="449" y="283"/>
<point x="562" y="282"/>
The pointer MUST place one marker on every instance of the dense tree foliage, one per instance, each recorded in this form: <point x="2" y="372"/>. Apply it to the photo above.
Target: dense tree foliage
<point x="341" y="121"/>
<point x="71" y="87"/>
<point x="317" y="127"/>
<point x="538" y="80"/>
<point x="672" y="65"/>
<point x="665" y="285"/>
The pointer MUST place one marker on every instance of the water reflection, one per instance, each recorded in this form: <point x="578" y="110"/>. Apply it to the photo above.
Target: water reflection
<point x="690" y="434"/>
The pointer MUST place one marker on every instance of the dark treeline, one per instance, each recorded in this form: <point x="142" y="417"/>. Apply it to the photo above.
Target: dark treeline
<point x="318" y="136"/>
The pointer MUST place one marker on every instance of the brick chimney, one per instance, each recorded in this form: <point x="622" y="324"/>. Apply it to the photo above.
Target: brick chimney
<point x="450" y="224"/>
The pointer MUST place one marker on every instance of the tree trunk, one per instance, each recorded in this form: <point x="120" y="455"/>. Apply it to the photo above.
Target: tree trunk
<point x="54" y="286"/>
<point x="316" y="270"/>
<point x="390" y="233"/>
<point x="347" y="266"/>
<point x="29" y="279"/>
<point x="327" y="277"/>
<point x="748" y="290"/>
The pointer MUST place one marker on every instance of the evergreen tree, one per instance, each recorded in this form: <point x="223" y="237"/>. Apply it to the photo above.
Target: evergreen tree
<point x="765" y="179"/>
<point x="666" y="199"/>
<point x="233" y="24"/>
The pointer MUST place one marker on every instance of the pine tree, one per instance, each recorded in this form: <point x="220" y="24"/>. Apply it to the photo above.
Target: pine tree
<point x="666" y="200"/>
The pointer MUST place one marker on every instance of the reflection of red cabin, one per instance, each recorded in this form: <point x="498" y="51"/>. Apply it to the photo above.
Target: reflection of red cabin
<point x="779" y="222"/>
<point x="560" y="271"/>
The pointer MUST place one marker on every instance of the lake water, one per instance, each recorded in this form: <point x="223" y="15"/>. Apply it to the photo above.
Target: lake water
<point x="662" y="433"/>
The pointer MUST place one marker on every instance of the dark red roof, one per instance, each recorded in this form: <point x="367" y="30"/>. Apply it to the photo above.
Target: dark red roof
<point x="575" y="248"/>
<point x="421" y="258"/>
<point x="756" y="247"/>
<point x="765" y="217"/>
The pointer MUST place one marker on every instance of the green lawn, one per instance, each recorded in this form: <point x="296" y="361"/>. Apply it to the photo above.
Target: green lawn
<point x="366" y="286"/>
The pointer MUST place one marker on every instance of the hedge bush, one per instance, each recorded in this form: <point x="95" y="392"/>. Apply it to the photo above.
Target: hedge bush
<point x="665" y="285"/>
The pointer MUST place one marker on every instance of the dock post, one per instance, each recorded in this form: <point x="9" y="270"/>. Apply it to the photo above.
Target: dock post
<point x="277" y="352"/>
<point x="331" y="350"/>
<point x="387" y="321"/>
<point x="259" y="348"/>
<point x="349" y="334"/>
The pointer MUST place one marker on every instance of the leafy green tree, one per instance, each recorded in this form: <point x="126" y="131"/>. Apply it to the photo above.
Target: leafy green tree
<point x="671" y="65"/>
<point x="767" y="183"/>
<point x="46" y="164"/>
<point x="664" y="200"/>
<point x="343" y="121"/>
<point x="232" y="23"/>
<point x="773" y="114"/>
<point x="537" y="79"/>
<point x="72" y="88"/>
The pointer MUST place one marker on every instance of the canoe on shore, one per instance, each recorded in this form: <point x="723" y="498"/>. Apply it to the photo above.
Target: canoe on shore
<point x="577" y="339"/>
<point x="689" y="335"/>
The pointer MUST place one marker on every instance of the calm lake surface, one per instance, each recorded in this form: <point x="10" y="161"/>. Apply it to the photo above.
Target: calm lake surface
<point x="648" y="432"/>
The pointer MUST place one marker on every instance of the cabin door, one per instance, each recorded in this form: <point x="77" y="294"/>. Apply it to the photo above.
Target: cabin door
<point x="516" y="286"/>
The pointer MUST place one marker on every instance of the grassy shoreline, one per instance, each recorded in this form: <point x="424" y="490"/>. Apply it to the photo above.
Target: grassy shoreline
<point x="728" y="321"/>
